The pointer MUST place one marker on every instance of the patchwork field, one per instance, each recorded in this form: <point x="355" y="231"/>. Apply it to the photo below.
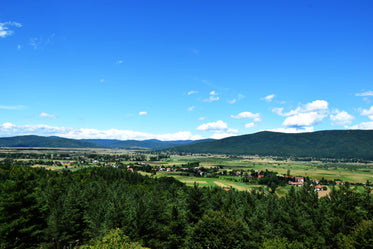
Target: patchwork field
<point x="356" y="173"/>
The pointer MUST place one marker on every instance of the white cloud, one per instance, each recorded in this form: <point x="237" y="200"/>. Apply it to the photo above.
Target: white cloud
<point x="192" y="92"/>
<point x="201" y="118"/>
<point x="102" y="80"/>
<point x="222" y="135"/>
<point x="341" y="118"/>
<point x="278" y="111"/>
<point x="213" y="126"/>
<point x="119" y="62"/>
<point x="143" y="113"/>
<point x="213" y="97"/>
<point x="7" y="125"/>
<point x="306" y="115"/>
<point x="368" y="113"/>
<point x="293" y="130"/>
<point x="268" y="98"/>
<point x="255" y="116"/>
<point x="10" y="129"/>
<point x="232" y="101"/>
<point x="304" y="119"/>
<point x="191" y="108"/>
<point x="218" y="127"/>
<point x="14" y="107"/>
<point x="250" y="125"/>
<point x="362" y="126"/>
<point x="19" y="46"/>
<point x="232" y="131"/>
<point x="4" y="28"/>
<point x="46" y="115"/>
<point x="317" y="105"/>
<point x="364" y="94"/>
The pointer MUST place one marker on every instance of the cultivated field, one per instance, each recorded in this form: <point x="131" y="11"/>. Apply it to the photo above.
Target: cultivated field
<point x="355" y="173"/>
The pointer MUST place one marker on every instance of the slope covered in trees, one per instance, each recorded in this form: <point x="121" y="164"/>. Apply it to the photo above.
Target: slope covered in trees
<point x="150" y="143"/>
<point x="98" y="206"/>
<point x="59" y="142"/>
<point x="321" y="144"/>
<point x="39" y="141"/>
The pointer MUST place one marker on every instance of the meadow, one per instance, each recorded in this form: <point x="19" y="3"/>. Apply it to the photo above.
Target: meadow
<point x="353" y="172"/>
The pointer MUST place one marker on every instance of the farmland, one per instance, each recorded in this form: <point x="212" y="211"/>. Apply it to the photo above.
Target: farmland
<point x="218" y="170"/>
<point x="161" y="200"/>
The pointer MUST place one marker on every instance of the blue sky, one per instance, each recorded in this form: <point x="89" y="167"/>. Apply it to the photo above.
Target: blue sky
<point x="175" y="70"/>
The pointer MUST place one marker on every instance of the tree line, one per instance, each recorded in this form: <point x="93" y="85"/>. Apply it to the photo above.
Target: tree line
<point x="41" y="208"/>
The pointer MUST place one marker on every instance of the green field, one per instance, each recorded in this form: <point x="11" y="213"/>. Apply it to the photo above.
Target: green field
<point x="351" y="172"/>
<point x="356" y="173"/>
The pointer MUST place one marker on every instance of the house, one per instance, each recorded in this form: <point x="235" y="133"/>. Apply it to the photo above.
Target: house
<point x="339" y="182"/>
<point x="318" y="187"/>
<point x="298" y="184"/>
<point x="299" y="179"/>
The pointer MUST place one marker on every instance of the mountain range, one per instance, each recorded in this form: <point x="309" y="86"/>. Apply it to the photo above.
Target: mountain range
<point x="149" y="144"/>
<point x="354" y="144"/>
<point x="59" y="142"/>
<point x="320" y="144"/>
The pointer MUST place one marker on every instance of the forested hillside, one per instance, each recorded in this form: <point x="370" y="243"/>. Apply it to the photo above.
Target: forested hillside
<point x="150" y="144"/>
<point x="322" y="144"/>
<point x="59" y="142"/>
<point x="50" y="142"/>
<point x="50" y="209"/>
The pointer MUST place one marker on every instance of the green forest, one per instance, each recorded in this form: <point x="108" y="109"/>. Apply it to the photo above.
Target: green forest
<point x="347" y="144"/>
<point x="104" y="207"/>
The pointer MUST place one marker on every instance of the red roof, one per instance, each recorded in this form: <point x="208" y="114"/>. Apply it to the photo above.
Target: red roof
<point x="296" y="183"/>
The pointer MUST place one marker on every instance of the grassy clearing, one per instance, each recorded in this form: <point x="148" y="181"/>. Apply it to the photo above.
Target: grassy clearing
<point x="282" y="190"/>
<point x="323" y="193"/>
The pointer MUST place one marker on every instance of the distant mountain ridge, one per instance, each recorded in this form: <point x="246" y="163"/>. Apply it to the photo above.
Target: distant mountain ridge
<point x="320" y="144"/>
<point x="60" y="142"/>
<point x="354" y="144"/>
<point x="40" y="141"/>
<point x="150" y="143"/>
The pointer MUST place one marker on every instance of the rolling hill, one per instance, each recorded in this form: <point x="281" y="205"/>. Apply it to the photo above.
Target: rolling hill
<point x="50" y="142"/>
<point x="150" y="144"/>
<point x="321" y="144"/>
<point x="356" y="144"/>
<point x="59" y="142"/>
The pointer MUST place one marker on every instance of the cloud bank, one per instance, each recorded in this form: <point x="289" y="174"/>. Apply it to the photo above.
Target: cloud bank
<point x="304" y="117"/>
<point x="9" y="129"/>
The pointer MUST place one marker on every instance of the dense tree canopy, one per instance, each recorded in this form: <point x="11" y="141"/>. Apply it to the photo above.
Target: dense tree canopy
<point x="98" y="206"/>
